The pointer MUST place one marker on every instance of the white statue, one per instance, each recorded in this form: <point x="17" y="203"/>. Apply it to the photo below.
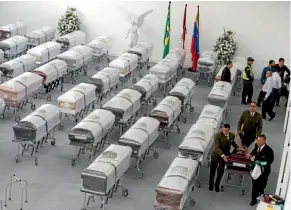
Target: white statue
<point x="135" y="23"/>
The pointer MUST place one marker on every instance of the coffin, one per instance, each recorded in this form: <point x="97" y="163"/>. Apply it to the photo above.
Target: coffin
<point x="18" y="65"/>
<point x="100" y="45"/>
<point x="167" y="111"/>
<point x="105" y="79"/>
<point x="10" y="30"/>
<point x="71" y="40"/>
<point x="220" y="93"/>
<point x="233" y="76"/>
<point x="106" y="170"/>
<point x="179" y="54"/>
<point x="77" y="98"/>
<point x="13" y="45"/>
<point x="143" y="50"/>
<point x="38" y="124"/>
<point x="20" y="88"/>
<point x="176" y="185"/>
<point x="183" y="90"/>
<point x="45" y="52"/>
<point x="140" y="136"/>
<point x="93" y="128"/>
<point x="126" y="63"/>
<point x="52" y="71"/>
<point x="239" y="162"/>
<point x="197" y="142"/>
<point x="148" y="46"/>
<point x="212" y="115"/>
<point x="76" y="57"/>
<point x="207" y="61"/>
<point x="148" y="85"/>
<point x="124" y="105"/>
<point x="41" y="36"/>
<point x="165" y="70"/>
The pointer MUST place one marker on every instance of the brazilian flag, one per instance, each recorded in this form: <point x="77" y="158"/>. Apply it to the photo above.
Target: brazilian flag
<point x="167" y="33"/>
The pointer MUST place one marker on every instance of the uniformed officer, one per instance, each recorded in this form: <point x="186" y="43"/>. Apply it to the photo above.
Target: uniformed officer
<point x="248" y="78"/>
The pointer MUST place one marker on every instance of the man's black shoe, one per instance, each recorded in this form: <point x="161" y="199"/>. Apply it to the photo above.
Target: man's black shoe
<point x="217" y="189"/>
<point x="210" y="188"/>
<point x="264" y="117"/>
<point x="258" y="105"/>
<point x="271" y="118"/>
<point x="253" y="203"/>
<point x="243" y="102"/>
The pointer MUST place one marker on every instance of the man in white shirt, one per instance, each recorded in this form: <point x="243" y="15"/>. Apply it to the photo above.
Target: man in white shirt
<point x="277" y="84"/>
<point x="267" y="107"/>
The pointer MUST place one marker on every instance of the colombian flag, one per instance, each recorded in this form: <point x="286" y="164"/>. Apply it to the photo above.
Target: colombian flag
<point x="167" y="33"/>
<point x="194" y="48"/>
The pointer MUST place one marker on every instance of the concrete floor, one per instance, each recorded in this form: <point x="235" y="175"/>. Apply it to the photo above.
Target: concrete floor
<point x="55" y="185"/>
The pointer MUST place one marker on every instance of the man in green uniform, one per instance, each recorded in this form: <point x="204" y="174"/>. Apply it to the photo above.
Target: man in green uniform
<point x="250" y="125"/>
<point x="248" y="78"/>
<point x="222" y="145"/>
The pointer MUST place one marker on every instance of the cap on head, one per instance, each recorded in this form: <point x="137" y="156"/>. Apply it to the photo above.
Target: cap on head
<point x="250" y="59"/>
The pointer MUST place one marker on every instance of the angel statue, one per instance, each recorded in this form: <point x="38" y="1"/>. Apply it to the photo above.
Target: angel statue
<point x="135" y="23"/>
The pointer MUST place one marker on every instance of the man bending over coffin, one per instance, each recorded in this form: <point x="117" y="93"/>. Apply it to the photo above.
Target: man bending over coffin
<point x="226" y="73"/>
<point x="223" y="141"/>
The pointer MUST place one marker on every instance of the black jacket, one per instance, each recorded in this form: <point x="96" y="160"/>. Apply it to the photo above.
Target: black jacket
<point x="266" y="154"/>
<point x="226" y="75"/>
<point x="282" y="70"/>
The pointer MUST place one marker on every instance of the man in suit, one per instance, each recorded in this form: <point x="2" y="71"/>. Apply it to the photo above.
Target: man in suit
<point x="250" y="125"/>
<point x="222" y="144"/>
<point x="226" y="73"/>
<point x="263" y="153"/>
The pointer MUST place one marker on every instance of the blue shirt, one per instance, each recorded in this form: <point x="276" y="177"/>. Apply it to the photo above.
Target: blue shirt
<point x="264" y="72"/>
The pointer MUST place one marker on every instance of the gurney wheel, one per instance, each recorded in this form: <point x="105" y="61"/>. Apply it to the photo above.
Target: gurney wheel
<point x="73" y="82"/>
<point x="97" y="68"/>
<point x="210" y="84"/>
<point x="32" y="107"/>
<point x="134" y="80"/>
<point x="73" y="162"/>
<point x="148" y="67"/>
<point x="16" y="160"/>
<point x="53" y="143"/>
<point x="49" y="98"/>
<point x="60" y="127"/>
<point x="192" y="202"/>
<point x="184" y="120"/>
<point x="242" y="192"/>
<point x="125" y="193"/>
<point x="168" y="145"/>
<point x="192" y="109"/>
<point x="140" y="176"/>
<point x="178" y="130"/>
<point x="156" y="155"/>
<point x="183" y="72"/>
<point x="85" y="73"/>
<point x="62" y="88"/>
<point x="198" y="185"/>
<point x="34" y="96"/>
<point x="154" y="103"/>
<point x="35" y="161"/>
<point x="17" y="119"/>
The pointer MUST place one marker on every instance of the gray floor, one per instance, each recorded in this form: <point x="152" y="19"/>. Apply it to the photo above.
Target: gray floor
<point x="55" y="185"/>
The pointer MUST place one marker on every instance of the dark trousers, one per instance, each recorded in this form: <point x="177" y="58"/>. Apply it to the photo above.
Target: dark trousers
<point x="259" y="186"/>
<point x="247" y="138"/>
<point x="247" y="92"/>
<point x="260" y="98"/>
<point x="267" y="107"/>
<point x="218" y="165"/>
<point x="275" y="96"/>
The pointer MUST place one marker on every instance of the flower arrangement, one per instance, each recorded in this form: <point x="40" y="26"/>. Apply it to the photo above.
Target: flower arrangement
<point x="69" y="22"/>
<point x="225" y="46"/>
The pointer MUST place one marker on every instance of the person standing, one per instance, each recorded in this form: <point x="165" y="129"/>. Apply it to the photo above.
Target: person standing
<point x="250" y="125"/>
<point x="277" y="85"/>
<point x="226" y="73"/>
<point x="222" y="145"/>
<point x="270" y="67"/>
<point x="263" y="153"/>
<point x="267" y="107"/>
<point x="248" y="78"/>
<point x="281" y="69"/>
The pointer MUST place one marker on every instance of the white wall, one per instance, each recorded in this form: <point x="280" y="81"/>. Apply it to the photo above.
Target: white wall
<point x="262" y="28"/>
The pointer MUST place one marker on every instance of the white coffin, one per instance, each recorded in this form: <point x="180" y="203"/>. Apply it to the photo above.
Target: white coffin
<point x="71" y="40"/>
<point x="76" y="57"/>
<point x="210" y="54"/>
<point x="1" y="56"/>
<point x="165" y="70"/>
<point x="141" y="135"/>
<point x="14" y="45"/>
<point x="184" y="90"/>
<point x="10" y="30"/>
<point x="45" y="52"/>
<point x="143" y="50"/>
<point x="220" y="94"/>
<point x="233" y="75"/>
<point x="42" y="121"/>
<point x="148" y="46"/>
<point x="77" y="98"/>
<point x="20" y="88"/>
<point x="126" y="63"/>
<point x="177" y="183"/>
<point x="100" y="45"/>
<point x="197" y="141"/>
<point x="105" y="79"/>
<point x="148" y="85"/>
<point x="106" y="169"/>
<point x="93" y="128"/>
<point x="41" y="35"/>
<point x="52" y="71"/>
<point x="169" y="107"/>
<point x="212" y="115"/>
<point x="18" y="65"/>
<point x="179" y="54"/>
<point x="124" y="105"/>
